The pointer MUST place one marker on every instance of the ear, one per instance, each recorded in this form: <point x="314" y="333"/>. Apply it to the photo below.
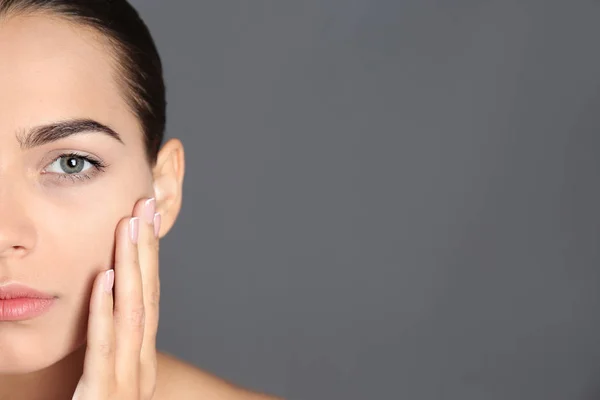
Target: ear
<point x="168" y="183"/>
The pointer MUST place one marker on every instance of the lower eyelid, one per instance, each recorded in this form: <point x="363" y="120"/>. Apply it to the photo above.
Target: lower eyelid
<point x="71" y="179"/>
<point x="74" y="177"/>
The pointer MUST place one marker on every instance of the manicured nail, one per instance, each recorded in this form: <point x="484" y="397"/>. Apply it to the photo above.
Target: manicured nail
<point x="134" y="228"/>
<point x="156" y="224"/>
<point x="109" y="280"/>
<point x="149" y="210"/>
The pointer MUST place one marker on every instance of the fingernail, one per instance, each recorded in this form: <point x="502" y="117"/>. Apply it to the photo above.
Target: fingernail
<point x="109" y="280"/>
<point x="149" y="210"/>
<point x="134" y="228"/>
<point x="156" y="224"/>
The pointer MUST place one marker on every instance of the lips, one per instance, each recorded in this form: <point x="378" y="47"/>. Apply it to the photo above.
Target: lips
<point x="19" y="302"/>
<point x="15" y="291"/>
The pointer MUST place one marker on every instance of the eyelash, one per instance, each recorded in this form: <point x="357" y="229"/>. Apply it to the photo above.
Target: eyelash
<point x="98" y="165"/>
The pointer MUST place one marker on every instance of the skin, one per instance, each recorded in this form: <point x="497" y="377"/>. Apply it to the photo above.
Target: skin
<point x="60" y="235"/>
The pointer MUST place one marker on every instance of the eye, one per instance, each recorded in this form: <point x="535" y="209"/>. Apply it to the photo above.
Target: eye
<point x="75" y="167"/>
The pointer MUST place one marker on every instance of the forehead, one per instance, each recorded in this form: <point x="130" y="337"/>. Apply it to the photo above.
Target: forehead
<point x="51" y="69"/>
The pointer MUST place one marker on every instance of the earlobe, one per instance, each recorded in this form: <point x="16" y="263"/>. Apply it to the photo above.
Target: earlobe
<point x="168" y="176"/>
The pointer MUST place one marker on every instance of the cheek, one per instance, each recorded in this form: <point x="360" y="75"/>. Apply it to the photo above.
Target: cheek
<point x="85" y="238"/>
<point x="82" y="223"/>
<point x="80" y="244"/>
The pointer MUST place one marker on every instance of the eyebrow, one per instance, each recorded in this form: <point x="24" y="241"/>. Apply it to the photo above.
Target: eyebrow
<point x="44" y="134"/>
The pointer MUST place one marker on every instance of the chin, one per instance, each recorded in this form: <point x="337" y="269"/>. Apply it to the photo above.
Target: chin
<point x="24" y="350"/>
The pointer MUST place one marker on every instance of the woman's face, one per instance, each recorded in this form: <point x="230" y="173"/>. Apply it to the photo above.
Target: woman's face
<point x="58" y="215"/>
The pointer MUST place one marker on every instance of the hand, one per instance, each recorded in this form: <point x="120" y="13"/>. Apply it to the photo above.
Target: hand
<point x="120" y="357"/>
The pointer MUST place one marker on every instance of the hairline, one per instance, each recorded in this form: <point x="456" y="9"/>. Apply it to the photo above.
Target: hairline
<point x="109" y="44"/>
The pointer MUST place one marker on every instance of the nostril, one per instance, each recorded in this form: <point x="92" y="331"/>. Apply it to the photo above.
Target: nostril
<point x="17" y="250"/>
<point x="16" y="237"/>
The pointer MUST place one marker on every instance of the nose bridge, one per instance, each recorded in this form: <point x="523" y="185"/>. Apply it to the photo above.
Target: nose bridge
<point x="16" y="229"/>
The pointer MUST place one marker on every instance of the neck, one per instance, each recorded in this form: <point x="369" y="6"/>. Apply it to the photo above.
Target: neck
<point x="56" y="382"/>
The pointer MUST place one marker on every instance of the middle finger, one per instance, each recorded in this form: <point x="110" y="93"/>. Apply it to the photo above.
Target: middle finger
<point x="129" y="312"/>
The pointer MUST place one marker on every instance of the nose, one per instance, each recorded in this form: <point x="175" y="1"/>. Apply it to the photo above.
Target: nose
<point x="17" y="233"/>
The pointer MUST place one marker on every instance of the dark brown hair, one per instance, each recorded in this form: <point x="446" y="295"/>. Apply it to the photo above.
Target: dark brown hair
<point x="138" y="62"/>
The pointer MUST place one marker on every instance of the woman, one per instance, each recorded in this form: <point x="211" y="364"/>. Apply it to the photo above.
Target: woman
<point x="86" y="192"/>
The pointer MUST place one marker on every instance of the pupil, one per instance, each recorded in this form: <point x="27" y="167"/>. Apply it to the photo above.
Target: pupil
<point x="72" y="165"/>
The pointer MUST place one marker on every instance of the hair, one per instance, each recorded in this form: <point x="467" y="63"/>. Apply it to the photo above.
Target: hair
<point x="139" y="68"/>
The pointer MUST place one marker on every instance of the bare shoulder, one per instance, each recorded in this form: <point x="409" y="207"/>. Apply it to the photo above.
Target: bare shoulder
<point x="177" y="379"/>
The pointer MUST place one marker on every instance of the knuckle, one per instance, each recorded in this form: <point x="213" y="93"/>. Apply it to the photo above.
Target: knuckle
<point x="134" y="318"/>
<point x="154" y="298"/>
<point x="135" y="261"/>
<point x="104" y="349"/>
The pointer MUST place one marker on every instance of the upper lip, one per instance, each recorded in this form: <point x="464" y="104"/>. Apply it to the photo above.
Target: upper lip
<point x="19" y="291"/>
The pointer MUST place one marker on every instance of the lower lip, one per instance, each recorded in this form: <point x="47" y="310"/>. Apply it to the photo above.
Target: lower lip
<point x="23" y="308"/>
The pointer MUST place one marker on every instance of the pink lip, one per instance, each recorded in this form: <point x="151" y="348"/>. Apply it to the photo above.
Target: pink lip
<point x="20" y="302"/>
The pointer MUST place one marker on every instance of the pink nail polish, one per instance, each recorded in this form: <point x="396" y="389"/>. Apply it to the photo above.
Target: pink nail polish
<point x="134" y="228"/>
<point x="149" y="210"/>
<point x="109" y="280"/>
<point x="157" y="219"/>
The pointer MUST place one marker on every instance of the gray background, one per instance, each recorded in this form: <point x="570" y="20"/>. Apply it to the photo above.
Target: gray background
<point x="386" y="199"/>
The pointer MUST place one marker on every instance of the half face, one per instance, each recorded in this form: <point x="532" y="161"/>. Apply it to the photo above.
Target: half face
<point x="60" y="198"/>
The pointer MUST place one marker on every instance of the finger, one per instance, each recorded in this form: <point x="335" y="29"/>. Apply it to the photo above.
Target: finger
<point x="99" y="364"/>
<point x="148" y="246"/>
<point x="129" y="303"/>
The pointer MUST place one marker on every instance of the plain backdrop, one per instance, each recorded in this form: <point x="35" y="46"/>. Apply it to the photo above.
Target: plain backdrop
<point x="385" y="199"/>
